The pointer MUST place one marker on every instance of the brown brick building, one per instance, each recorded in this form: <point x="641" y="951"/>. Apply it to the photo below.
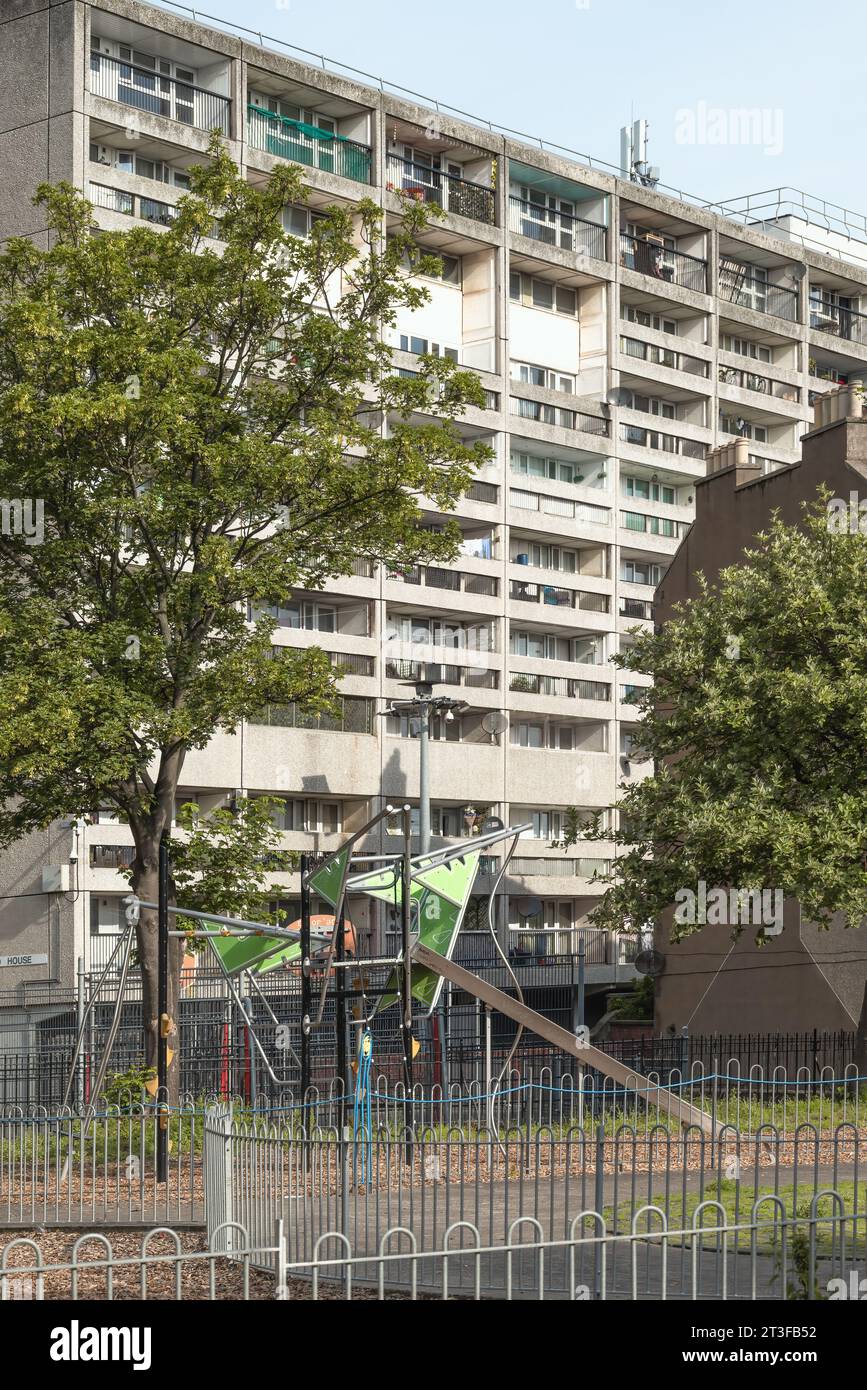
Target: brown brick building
<point x="802" y="978"/>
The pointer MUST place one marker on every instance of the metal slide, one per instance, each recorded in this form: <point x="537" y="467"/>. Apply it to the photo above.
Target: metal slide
<point x="681" y="1110"/>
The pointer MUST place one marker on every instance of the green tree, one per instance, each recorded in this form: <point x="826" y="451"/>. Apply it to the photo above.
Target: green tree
<point x="201" y="427"/>
<point x="755" y="726"/>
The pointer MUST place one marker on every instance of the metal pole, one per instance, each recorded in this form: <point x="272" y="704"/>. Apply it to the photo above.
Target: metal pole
<point x="424" y="776"/>
<point x="163" y="1009"/>
<point x="340" y="1019"/>
<point x="489" y="1081"/>
<point x="81" y="1004"/>
<point x="305" y="977"/>
<point x="406" y="942"/>
<point x="424" y="846"/>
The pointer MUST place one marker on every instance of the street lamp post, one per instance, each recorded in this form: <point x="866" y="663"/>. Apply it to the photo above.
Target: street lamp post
<point x="420" y="709"/>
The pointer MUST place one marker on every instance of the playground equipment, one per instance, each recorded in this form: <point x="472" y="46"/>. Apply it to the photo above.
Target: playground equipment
<point x="430" y="892"/>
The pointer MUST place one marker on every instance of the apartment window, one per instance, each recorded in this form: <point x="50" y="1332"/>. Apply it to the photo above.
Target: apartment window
<point x="542" y="376"/>
<point x="543" y="646"/>
<point x="449" y="272"/>
<point x="310" y="617"/>
<point x="648" y="320"/>
<point x="541" y="294"/>
<point x="647" y="490"/>
<point x="641" y="572"/>
<point x="535" y="466"/>
<point x="653" y="525"/>
<point x="546" y="557"/>
<point x="299" y="221"/>
<point x="650" y="405"/>
<point x="312" y="817"/>
<point x="527" y="735"/>
<point x="745" y="347"/>
<point x="746" y="429"/>
<point x="440" y="729"/>
<point x="407" y="628"/>
<point x="151" y="84"/>
<point x="544" y="216"/>
<point x="409" y="343"/>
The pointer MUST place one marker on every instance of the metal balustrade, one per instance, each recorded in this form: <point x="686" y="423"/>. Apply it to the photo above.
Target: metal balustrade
<point x="307" y="144"/>
<point x="749" y="291"/>
<point x="456" y="581"/>
<point x="447" y="191"/>
<point x="650" y="257"/>
<point x="563" y="416"/>
<point x="663" y="357"/>
<point x="659" y="439"/>
<point x="474" y="677"/>
<point x="554" y="228"/>
<point x="565" y="686"/>
<point x="554" y="595"/>
<point x="764" y="385"/>
<point x="153" y="92"/>
<point x="839" y="322"/>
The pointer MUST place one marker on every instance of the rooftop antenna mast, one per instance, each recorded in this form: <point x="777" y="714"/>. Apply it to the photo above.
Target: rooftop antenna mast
<point x="633" y="155"/>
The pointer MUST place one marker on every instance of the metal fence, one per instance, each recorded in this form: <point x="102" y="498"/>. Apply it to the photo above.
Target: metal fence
<point x="455" y="1213"/>
<point x="159" y="1264"/>
<point x="218" y="1053"/>
<point x="765" y="1255"/>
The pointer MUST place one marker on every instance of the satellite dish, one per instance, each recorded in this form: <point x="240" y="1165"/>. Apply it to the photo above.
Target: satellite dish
<point x="528" y="907"/>
<point x="490" y="824"/>
<point x="618" y="395"/>
<point x="494" y="722"/>
<point x="649" y="962"/>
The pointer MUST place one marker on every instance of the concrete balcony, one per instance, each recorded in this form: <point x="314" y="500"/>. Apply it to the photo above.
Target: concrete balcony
<point x="458" y="196"/>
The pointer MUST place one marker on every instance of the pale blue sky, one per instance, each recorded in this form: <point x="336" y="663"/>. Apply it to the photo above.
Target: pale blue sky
<point x="573" y="71"/>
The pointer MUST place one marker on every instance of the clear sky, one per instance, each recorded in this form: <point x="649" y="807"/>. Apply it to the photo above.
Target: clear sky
<point x="574" y="71"/>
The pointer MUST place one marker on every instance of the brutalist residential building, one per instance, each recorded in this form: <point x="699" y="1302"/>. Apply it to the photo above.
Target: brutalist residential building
<point x="619" y="332"/>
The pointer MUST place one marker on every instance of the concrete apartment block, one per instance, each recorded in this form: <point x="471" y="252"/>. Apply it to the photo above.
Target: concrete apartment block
<point x="619" y="332"/>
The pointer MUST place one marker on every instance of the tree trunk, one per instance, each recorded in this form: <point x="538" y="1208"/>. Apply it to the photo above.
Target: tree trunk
<point x="145" y="884"/>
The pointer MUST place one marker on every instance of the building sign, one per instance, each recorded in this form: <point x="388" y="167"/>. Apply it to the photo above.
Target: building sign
<point x="23" y="960"/>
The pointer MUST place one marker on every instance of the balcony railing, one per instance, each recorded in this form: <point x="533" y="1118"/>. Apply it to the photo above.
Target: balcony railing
<point x="447" y="191"/>
<point x="307" y="144"/>
<point x="765" y="385"/>
<point x="565" y="686"/>
<point x="752" y="292"/>
<point x="163" y="96"/>
<point x="352" y="663"/>
<point x="675" y="267"/>
<point x="558" y="415"/>
<point x="557" y="228"/>
<point x="456" y="581"/>
<point x="663" y="357"/>
<point x="668" y="443"/>
<point x="136" y="205"/>
<point x="839" y="322"/>
<point x="579" y="867"/>
<point x="131" y="204"/>
<point x="559" y="506"/>
<point x="476" y="677"/>
<point x="111" y="856"/>
<point x="636" y="608"/>
<point x="555" y="596"/>
<point x="652" y="525"/>
<point x="354" y="715"/>
<point x="482" y="492"/>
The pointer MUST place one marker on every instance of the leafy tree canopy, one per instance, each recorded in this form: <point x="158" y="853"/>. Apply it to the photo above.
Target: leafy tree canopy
<point x="754" y="726"/>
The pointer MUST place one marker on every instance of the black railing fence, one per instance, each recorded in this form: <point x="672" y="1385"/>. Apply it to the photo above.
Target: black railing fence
<point x="218" y="1055"/>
